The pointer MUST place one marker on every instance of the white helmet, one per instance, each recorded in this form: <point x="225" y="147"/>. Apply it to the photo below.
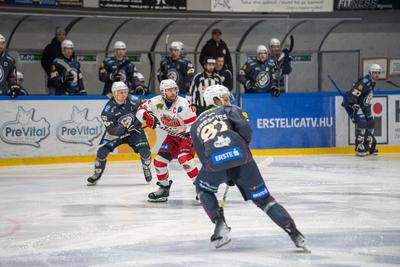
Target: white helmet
<point x="67" y="44"/>
<point x="2" y="39"/>
<point x="167" y="84"/>
<point x="274" y="42"/>
<point x="375" y="68"/>
<point x="117" y="86"/>
<point x="139" y="76"/>
<point x="20" y="76"/>
<point x="176" y="45"/>
<point x="262" y="49"/>
<point x="218" y="91"/>
<point x="119" y="45"/>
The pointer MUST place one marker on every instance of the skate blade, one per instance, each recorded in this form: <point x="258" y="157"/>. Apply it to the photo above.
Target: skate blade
<point x="91" y="184"/>
<point x="361" y="154"/>
<point x="161" y="199"/>
<point x="306" y="249"/>
<point x="222" y="242"/>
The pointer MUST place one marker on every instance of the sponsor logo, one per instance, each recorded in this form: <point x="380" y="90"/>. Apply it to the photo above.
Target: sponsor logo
<point x="164" y="147"/>
<point x="297" y="122"/>
<point x="259" y="192"/>
<point x="226" y="155"/>
<point x="222" y="141"/>
<point x="169" y="121"/>
<point x="25" y="130"/>
<point x="79" y="129"/>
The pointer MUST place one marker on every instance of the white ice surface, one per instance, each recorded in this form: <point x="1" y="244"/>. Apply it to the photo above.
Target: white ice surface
<point x="347" y="207"/>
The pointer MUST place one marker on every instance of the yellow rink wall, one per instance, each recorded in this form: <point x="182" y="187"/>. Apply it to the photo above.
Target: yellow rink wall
<point x="126" y="156"/>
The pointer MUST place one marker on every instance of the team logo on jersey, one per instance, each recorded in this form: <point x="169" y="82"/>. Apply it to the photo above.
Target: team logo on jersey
<point x="226" y="155"/>
<point x="122" y="75"/>
<point x="5" y="64"/>
<point x="173" y="74"/>
<point x="1" y="73"/>
<point x="160" y="106"/>
<point x="180" y="108"/>
<point x="262" y="79"/>
<point x="79" y="129"/>
<point x="25" y="130"/>
<point x="74" y="74"/>
<point x="222" y="141"/>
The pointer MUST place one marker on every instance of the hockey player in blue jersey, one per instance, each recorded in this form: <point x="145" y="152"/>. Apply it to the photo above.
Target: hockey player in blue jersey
<point x="257" y="75"/>
<point x="66" y="76"/>
<point x="357" y="103"/>
<point x="281" y="59"/>
<point x="221" y="137"/>
<point x="119" y="119"/>
<point x="116" y="69"/>
<point x="8" y="74"/>
<point x="177" y="68"/>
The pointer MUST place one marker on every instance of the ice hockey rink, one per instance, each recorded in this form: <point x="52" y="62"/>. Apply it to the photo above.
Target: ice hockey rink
<point x="348" y="208"/>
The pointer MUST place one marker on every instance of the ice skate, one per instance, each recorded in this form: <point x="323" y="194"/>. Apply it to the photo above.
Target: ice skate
<point x="162" y="194"/>
<point x="221" y="232"/>
<point x="361" y="151"/>
<point x="297" y="238"/>
<point x="92" y="180"/>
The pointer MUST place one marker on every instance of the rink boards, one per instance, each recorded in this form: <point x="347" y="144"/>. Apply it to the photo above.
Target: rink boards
<point x="47" y="129"/>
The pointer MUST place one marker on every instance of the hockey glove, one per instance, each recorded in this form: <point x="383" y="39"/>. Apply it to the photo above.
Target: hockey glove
<point x="275" y="91"/>
<point x="151" y="120"/>
<point x="117" y="77"/>
<point x="14" y="91"/>
<point x="249" y="85"/>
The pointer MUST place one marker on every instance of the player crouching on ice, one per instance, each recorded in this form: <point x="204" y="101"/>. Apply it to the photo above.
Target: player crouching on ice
<point x="174" y="114"/>
<point x="357" y="103"/>
<point x="221" y="137"/>
<point x="122" y="127"/>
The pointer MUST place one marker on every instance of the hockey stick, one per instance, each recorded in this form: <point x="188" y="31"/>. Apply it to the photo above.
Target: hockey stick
<point x="94" y="148"/>
<point x="392" y="83"/>
<point x="166" y="45"/>
<point x="265" y="163"/>
<point x="336" y="87"/>
<point x="291" y="44"/>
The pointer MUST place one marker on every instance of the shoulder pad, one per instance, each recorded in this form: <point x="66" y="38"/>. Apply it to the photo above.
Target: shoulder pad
<point x="10" y="58"/>
<point x="108" y="107"/>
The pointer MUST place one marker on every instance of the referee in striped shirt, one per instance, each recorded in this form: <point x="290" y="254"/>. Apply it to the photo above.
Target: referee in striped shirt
<point x="200" y="82"/>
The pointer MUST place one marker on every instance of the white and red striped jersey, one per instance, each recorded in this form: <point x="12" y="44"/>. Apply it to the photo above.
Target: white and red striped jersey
<point x="178" y="117"/>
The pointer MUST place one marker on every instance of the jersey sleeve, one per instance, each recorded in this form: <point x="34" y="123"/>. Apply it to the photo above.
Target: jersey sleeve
<point x="109" y="121"/>
<point x="188" y="115"/>
<point x="12" y="74"/>
<point x="82" y="90"/>
<point x="240" y="123"/>
<point x="55" y="75"/>
<point x="148" y="105"/>
<point x="103" y="73"/>
<point x="242" y="77"/>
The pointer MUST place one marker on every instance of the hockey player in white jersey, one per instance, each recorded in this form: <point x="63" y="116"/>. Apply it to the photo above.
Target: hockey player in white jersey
<point x="173" y="113"/>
